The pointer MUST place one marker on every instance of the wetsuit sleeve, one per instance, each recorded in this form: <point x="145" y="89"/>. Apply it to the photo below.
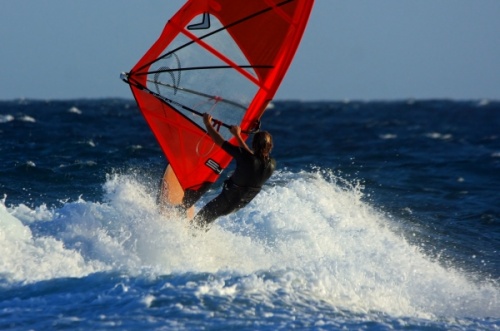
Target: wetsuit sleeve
<point x="232" y="150"/>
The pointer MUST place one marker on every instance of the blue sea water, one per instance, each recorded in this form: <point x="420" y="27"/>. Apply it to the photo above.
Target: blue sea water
<point x="381" y="216"/>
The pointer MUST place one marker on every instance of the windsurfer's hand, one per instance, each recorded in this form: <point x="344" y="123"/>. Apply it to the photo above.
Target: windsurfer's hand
<point x="235" y="130"/>
<point x="207" y="119"/>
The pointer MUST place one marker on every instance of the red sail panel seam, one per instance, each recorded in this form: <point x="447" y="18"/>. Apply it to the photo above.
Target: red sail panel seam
<point x="280" y="12"/>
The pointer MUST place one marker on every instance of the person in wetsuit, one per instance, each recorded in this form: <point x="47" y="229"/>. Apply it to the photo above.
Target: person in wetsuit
<point x="253" y="168"/>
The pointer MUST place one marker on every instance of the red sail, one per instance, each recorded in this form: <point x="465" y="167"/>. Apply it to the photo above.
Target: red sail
<point x="224" y="57"/>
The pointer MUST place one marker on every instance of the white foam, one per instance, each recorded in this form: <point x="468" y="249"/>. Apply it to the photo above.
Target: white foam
<point x="26" y="258"/>
<point x="483" y="102"/>
<point x="6" y="118"/>
<point x="75" y="110"/>
<point x="27" y="118"/>
<point x="388" y="136"/>
<point x="439" y="136"/>
<point x="309" y="237"/>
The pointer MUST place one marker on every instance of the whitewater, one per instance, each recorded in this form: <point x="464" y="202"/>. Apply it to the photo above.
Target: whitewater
<point x="308" y="238"/>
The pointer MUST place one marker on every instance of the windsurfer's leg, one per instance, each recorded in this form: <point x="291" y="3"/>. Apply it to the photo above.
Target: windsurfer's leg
<point x="170" y="197"/>
<point x="216" y="208"/>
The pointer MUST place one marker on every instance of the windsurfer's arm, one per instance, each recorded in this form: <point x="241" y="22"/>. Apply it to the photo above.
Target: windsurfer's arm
<point x="236" y="131"/>
<point x="216" y="137"/>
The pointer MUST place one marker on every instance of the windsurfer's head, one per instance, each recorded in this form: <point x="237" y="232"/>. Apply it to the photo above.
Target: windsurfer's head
<point x="262" y="144"/>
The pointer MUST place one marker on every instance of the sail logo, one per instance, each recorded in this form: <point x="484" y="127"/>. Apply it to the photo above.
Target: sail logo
<point x="214" y="166"/>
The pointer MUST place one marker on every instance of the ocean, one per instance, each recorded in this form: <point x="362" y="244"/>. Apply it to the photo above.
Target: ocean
<point x="382" y="215"/>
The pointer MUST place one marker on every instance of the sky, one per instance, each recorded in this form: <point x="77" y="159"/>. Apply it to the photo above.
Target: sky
<point x="351" y="50"/>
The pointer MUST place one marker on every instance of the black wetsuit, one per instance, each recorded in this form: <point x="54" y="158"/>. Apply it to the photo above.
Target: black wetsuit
<point x="245" y="183"/>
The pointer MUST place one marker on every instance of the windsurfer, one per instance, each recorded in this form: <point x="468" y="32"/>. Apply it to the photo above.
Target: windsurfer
<point x="253" y="168"/>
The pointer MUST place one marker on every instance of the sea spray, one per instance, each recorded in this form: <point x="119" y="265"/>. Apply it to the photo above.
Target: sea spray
<point x="27" y="257"/>
<point x="308" y="239"/>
